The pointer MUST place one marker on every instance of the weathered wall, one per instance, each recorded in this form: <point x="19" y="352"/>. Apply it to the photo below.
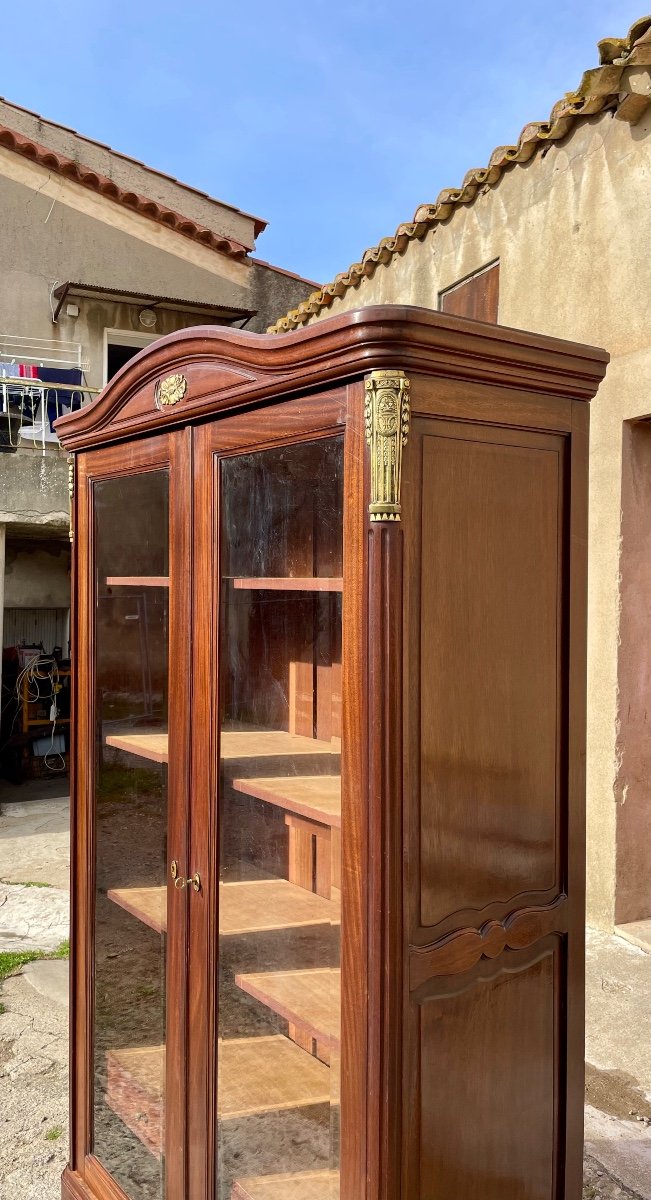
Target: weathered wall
<point x="33" y="491"/>
<point x="54" y="230"/>
<point x="273" y="291"/>
<point x="37" y="574"/>
<point x="131" y="175"/>
<point x="632" y="791"/>
<point x="572" y="231"/>
<point x="41" y="246"/>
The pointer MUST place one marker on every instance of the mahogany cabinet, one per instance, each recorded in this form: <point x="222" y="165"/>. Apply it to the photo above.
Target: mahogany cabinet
<point x="328" y="795"/>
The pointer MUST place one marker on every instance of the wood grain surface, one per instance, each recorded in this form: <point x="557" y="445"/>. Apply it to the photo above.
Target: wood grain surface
<point x="251" y="906"/>
<point x="317" y="797"/>
<point x="304" y="1185"/>
<point x="234" y="745"/>
<point x="309" y="999"/>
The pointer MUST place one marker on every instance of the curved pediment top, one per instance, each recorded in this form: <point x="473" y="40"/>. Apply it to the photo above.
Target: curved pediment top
<point x="224" y="368"/>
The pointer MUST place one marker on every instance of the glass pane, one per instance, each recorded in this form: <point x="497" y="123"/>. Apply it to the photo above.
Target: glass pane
<point x="280" y="824"/>
<point x="131" y="638"/>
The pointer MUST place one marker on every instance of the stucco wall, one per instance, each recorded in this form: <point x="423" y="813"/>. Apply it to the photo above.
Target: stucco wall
<point x="41" y="246"/>
<point x="572" y="231"/>
<point x="273" y="292"/>
<point x="34" y="491"/>
<point x="55" y="231"/>
<point x="37" y="574"/>
<point x="130" y="175"/>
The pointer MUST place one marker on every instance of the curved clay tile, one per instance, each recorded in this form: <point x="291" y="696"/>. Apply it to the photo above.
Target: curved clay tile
<point x="59" y="164"/>
<point x="599" y="88"/>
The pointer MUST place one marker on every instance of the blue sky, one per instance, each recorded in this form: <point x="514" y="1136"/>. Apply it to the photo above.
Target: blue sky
<point x="332" y="120"/>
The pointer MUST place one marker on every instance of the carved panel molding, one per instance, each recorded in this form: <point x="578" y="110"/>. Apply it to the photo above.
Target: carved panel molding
<point x="462" y="950"/>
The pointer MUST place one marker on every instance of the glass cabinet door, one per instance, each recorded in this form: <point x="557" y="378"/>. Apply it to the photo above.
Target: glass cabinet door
<point x="131" y="537"/>
<point x="279" y="823"/>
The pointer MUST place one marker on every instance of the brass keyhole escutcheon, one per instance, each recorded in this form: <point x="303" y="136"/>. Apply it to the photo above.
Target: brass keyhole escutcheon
<point x="181" y="882"/>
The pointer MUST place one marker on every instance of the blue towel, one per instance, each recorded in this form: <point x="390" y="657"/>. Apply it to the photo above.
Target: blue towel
<point x="57" y="401"/>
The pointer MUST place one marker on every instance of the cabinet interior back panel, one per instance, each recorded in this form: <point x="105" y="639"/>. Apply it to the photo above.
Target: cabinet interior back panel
<point x="490" y="669"/>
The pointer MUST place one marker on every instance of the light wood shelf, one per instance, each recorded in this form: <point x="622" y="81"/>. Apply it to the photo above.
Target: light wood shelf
<point x="138" y="581"/>
<point x="251" y="906"/>
<point x="307" y="583"/>
<point x="257" y="1075"/>
<point x="310" y="999"/>
<point x="316" y="797"/>
<point x="235" y="744"/>
<point x="299" y="1185"/>
<point x="146" y="745"/>
<point x="148" y="905"/>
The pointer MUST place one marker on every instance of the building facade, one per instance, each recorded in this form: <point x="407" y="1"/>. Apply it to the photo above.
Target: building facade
<point x="554" y="236"/>
<point x="99" y="255"/>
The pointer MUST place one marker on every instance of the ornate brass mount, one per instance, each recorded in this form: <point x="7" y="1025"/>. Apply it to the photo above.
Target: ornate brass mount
<point x="170" y="390"/>
<point x="71" y="493"/>
<point x="386" y="415"/>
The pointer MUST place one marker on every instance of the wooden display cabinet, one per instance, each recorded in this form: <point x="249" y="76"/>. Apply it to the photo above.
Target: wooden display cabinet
<point x="330" y="607"/>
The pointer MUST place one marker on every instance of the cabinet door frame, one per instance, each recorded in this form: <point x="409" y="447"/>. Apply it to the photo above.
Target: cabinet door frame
<point x="172" y="452"/>
<point x="290" y="422"/>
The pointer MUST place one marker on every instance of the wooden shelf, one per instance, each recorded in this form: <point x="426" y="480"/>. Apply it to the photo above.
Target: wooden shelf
<point x="308" y="583"/>
<point x="257" y="906"/>
<point x="135" y="1090"/>
<point x="138" y="581"/>
<point x="303" y="1185"/>
<point x="239" y="744"/>
<point x="309" y="1000"/>
<point x="316" y="797"/>
<point x="148" y="905"/>
<point x="146" y="745"/>
<point x="257" y="1075"/>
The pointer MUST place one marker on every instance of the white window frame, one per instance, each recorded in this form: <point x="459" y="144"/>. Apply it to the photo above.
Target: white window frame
<point x="124" y="337"/>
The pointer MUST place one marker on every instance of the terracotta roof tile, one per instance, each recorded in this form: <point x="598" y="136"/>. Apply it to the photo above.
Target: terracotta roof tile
<point x="258" y="223"/>
<point x="69" y="169"/>
<point x="599" y="89"/>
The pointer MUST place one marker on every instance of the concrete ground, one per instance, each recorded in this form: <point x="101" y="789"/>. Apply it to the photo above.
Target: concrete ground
<point x="33" y="1025"/>
<point x="618" y="1055"/>
<point x="34" y="849"/>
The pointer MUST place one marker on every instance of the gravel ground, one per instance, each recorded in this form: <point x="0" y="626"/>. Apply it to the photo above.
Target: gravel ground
<point x="599" y="1185"/>
<point x="33" y="1093"/>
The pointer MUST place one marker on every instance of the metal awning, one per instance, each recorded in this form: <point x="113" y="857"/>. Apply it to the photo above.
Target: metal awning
<point x="95" y="291"/>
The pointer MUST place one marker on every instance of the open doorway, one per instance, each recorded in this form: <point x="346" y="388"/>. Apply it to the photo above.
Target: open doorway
<point x="120" y="346"/>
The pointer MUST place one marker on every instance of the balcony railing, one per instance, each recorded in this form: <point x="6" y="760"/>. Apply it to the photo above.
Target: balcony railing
<point x="39" y="381"/>
<point x="42" y="352"/>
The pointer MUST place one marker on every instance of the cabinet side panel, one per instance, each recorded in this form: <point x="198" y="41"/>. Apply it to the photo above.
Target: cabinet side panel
<point x="490" y="649"/>
<point x="487" y="1118"/>
<point x="489" y="926"/>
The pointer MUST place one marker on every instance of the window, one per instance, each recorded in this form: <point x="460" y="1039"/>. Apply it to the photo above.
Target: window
<point x="476" y="296"/>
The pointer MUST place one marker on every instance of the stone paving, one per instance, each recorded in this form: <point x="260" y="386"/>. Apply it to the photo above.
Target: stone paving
<point x="35" y="839"/>
<point x="33" y="918"/>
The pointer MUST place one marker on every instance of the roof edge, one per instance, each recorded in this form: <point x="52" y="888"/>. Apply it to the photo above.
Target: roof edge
<point x="259" y="223"/>
<point x="260" y="262"/>
<point x="598" y="90"/>
<point x="60" y="164"/>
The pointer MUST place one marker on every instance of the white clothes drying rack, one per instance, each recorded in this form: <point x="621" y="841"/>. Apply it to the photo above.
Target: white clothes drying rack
<point x="24" y="400"/>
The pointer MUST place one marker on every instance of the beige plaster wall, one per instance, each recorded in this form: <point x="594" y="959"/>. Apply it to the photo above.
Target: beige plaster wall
<point x="572" y="231"/>
<point x="53" y="231"/>
<point x="132" y="176"/>
<point x="633" y="894"/>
